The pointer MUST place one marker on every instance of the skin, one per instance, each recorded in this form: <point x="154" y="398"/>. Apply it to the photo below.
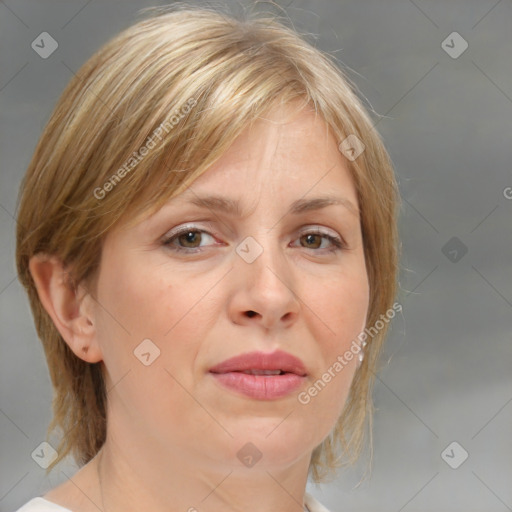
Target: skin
<point x="173" y="430"/>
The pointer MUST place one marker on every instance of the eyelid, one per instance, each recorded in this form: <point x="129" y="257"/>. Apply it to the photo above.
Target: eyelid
<point x="209" y="226"/>
<point x="336" y="240"/>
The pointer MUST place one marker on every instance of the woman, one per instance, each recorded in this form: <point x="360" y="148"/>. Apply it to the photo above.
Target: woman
<point x="212" y="245"/>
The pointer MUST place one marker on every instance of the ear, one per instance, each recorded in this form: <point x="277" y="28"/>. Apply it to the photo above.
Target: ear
<point x="70" y="309"/>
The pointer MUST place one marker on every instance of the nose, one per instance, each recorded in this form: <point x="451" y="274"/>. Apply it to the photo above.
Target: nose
<point x="264" y="290"/>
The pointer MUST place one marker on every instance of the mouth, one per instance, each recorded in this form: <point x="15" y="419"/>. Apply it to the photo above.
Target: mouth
<point x="262" y="372"/>
<point x="261" y="363"/>
<point x="261" y="376"/>
<point x="258" y="386"/>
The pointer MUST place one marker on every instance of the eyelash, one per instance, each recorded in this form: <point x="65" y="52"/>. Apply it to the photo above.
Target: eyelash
<point x="337" y="242"/>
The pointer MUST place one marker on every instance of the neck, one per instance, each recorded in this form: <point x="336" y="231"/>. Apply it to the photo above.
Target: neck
<point x="132" y="480"/>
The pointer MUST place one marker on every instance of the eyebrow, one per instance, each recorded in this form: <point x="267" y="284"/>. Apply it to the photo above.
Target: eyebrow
<point x="232" y="207"/>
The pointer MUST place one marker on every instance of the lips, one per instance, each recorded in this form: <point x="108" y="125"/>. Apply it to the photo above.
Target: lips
<point x="261" y="376"/>
<point x="261" y="363"/>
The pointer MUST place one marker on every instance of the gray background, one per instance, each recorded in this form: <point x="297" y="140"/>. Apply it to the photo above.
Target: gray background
<point x="447" y="126"/>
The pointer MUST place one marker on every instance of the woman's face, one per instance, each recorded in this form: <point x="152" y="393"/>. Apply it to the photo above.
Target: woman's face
<point x="263" y="278"/>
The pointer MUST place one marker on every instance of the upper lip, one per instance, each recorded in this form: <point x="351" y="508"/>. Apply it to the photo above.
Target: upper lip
<point x="278" y="360"/>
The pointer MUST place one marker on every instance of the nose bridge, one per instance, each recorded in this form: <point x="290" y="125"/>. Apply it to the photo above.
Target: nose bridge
<point x="265" y="274"/>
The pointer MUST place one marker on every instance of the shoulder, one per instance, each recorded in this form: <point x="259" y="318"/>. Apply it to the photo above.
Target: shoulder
<point x="313" y="504"/>
<point x="39" y="504"/>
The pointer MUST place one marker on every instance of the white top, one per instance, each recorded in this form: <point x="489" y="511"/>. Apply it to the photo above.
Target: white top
<point x="40" y="504"/>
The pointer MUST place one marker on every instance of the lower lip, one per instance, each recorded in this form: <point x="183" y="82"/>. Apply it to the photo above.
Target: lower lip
<point x="260" y="387"/>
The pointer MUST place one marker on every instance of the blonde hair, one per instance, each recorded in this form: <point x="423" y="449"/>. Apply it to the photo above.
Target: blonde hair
<point x="88" y="175"/>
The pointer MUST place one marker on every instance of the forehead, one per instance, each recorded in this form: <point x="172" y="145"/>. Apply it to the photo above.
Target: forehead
<point x="285" y="152"/>
<point x="284" y="159"/>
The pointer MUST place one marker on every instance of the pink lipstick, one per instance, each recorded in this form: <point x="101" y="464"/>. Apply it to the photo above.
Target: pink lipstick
<point x="260" y="375"/>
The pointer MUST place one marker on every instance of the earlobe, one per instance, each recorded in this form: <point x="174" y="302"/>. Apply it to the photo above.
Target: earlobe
<point x="67" y="306"/>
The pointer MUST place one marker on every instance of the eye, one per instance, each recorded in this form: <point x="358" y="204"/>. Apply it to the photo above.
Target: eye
<point x="188" y="240"/>
<point x="314" y="238"/>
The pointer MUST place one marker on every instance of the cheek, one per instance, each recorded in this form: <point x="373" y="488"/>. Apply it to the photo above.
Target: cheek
<point x="342" y="305"/>
<point x="131" y="310"/>
<point x="156" y="304"/>
<point x="142" y="302"/>
<point x="326" y="395"/>
<point x="141" y="307"/>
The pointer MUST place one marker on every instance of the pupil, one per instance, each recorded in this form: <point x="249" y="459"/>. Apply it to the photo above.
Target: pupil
<point x="309" y="238"/>
<point x="189" y="237"/>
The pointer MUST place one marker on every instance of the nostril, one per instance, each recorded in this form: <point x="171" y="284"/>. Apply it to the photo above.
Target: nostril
<point x="250" y="314"/>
